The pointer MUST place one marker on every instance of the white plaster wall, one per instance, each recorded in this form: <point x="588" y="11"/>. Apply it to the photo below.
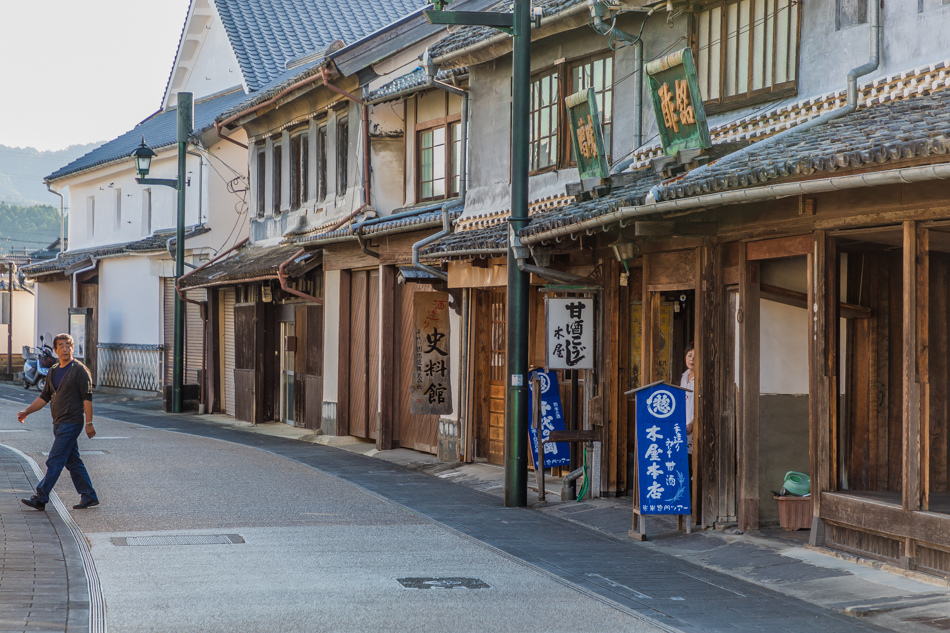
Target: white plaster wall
<point x="331" y="335"/>
<point x="129" y="302"/>
<point x="52" y="308"/>
<point x="24" y="311"/>
<point x="225" y="213"/>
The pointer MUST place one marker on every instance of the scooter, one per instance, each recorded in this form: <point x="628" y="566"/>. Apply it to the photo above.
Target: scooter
<point x="37" y="362"/>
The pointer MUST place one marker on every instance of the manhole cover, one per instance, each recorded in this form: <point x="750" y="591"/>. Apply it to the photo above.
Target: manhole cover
<point x="443" y="583"/>
<point x="186" y="539"/>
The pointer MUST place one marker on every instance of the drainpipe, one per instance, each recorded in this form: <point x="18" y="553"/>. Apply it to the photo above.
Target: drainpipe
<point x="201" y="170"/>
<point x="522" y="253"/>
<point x="75" y="290"/>
<point x="282" y="276"/>
<point x="62" y="219"/>
<point x="325" y="74"/>
<point x="849" y="107"/>
<point x="446" y="229"/>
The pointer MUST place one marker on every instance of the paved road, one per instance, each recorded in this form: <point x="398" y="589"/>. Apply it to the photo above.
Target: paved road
<point x="302" y="550"/>
<point x="316" y="539"/>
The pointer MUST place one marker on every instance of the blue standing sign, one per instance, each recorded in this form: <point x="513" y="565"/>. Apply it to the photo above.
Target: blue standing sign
<point x="552" y="419"/>
<point x="662" y="460"/>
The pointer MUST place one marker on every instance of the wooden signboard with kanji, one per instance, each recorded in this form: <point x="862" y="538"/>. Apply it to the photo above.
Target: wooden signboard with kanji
<point x="677" y="103"/>
<point x="430" y="390"/>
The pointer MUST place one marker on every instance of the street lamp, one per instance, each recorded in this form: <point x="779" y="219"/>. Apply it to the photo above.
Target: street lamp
<point x="143" y="155"/>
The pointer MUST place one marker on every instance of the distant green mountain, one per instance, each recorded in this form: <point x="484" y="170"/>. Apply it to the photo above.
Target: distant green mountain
<point x="27" y="228"/>
<point x="22" y="170"/>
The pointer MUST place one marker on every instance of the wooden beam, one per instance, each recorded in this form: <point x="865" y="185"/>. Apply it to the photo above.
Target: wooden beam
<point x="779" y="247"/>
<point x="387" y="396"/>
<point x="708" y="335"/>
<point x="911" y="378"/>
<point x="343" y="367"/>
<point x="670" y="229"/>
<point x="749" y="352"/>
<point x="800" y="300"/>
<point x="863" y="513"/>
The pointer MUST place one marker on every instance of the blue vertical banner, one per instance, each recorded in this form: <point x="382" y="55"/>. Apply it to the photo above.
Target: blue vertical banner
<point x="552" y="419"/>
<point x="662" y="460"/>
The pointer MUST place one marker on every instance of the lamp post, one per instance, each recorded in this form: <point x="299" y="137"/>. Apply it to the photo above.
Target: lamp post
<point x="143" y="157"/>
<point x="518" y="24"/>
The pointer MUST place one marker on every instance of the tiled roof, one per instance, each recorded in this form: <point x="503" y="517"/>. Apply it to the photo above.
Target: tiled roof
<point x="250" y="262"/>
<point x="158" y="241"/>
<point x="489" y="239"/>
<point x="411" y="82"/>
<point x="471" y="35"/>
<point x="915" y="128"/>
<point x="406" y="220"/>
<point x="266" y="34"/>
<point x="160" y="130"/>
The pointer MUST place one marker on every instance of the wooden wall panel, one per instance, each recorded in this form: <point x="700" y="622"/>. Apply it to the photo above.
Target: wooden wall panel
<point x="358" y="415"/>
<point x="418" y="432"/>
<point x="372" y="353"/>
<point x="672" y="269"/>
<point x="938" y="378"/>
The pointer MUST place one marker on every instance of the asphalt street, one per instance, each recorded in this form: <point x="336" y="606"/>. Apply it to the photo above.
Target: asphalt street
<point x="208" y="526"/>
<point x="300" y="550"/>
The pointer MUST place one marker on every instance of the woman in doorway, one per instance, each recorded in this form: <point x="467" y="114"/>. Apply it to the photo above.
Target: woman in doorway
<point x="687" y="382"/>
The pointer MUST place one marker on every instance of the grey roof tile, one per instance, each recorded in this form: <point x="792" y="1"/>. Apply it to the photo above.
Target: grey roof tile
<point x="913" y="128"/>
<point x="266" y="34"/>
<point x="411" y="82"/>
<point x="471" y="35"/>
<point x="249" y="262"/>
<point x="159" y="130"/>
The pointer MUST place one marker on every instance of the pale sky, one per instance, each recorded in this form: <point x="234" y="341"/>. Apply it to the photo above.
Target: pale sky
<point x="80" y="71"/>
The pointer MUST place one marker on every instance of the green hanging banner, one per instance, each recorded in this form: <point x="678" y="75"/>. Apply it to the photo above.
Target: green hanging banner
<point x="586" y="134"/>
<point x="677" y="103"/>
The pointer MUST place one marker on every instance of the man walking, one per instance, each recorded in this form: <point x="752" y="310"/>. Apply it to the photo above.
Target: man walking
<point x="69" y="390"/>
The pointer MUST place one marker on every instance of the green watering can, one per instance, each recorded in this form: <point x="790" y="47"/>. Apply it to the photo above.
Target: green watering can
<point x="796" y="484"/>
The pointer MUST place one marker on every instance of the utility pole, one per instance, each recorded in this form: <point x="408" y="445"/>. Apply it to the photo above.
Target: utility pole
<point x="518" y="24"/>
<point x="186" y="118"/>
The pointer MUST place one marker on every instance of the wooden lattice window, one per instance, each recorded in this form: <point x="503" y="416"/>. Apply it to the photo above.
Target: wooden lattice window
<point x="321" y="162"/>
<point x="746" y="52"/>
<point x="278" y="174"/>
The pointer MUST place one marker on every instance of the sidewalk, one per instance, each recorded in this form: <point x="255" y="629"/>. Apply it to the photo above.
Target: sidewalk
<point x="705" y="581"/>
<point x="42" y="579"/>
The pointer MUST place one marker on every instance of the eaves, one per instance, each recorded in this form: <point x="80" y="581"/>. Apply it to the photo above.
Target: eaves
<point x="501" y="44"/>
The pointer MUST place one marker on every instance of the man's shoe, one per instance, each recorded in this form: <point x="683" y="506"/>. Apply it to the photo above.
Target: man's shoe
<point x="34" y="503"/>
<point x="82" y="505"/>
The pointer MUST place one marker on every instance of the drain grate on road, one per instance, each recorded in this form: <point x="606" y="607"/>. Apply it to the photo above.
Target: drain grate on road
<point x="443" y="583"/>
<point x="186" y="539"/>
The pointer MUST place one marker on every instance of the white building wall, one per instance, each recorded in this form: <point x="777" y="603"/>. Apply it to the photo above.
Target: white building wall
<point x="129" y="302"/>
<point x="52" y="308"/>
<point x="22" y="324"/>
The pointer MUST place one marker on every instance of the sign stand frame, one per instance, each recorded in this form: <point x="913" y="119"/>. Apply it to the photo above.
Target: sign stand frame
<point x="639" y="527"/>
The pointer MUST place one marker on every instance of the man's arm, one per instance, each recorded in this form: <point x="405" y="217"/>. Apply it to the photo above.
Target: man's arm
<point x="38" y="404"/>
<point x="90" y="431"/>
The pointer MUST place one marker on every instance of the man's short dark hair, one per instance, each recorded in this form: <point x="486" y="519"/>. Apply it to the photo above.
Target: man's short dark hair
<point x="63" y="337"/>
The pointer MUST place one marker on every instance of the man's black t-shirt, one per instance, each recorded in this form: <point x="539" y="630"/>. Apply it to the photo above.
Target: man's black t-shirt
<point x="66" y="389"/>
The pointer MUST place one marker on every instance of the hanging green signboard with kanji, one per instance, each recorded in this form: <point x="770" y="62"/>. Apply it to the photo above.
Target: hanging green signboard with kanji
<point x="586" y="134"/>
<point x="677" y="103"/>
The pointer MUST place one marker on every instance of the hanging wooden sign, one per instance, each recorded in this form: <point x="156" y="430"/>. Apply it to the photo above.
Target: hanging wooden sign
<point x="430" y="390"/>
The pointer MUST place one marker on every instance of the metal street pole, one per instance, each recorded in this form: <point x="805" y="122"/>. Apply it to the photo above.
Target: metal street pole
<point x="516" y="427"/>
<point x="185" y="129"/>
<point x="518" y="24"/>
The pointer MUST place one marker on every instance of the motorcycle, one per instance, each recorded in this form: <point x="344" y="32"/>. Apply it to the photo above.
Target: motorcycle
<point x="37" y="362"/>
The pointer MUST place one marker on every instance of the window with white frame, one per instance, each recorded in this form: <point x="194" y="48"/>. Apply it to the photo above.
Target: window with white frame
<point x="261" y="180"/>
<point x="439" y="151"/>
<point x="90" y="216"/>
<point x="321" y="162"/>
<point x="277" y="172"/>
<point x="746" y="52"/>
<point x="298" y="170"/>
<point x="850" y="13"/>
<point x="342" y="154"/>
<point x="147" y="211"/>
<point x="118" y="210"/>
<point x="550" y="139"/>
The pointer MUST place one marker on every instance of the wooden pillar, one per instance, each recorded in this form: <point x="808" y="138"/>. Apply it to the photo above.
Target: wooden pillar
<point x="387" y="400"/>
<point x="213" y="399"/>
<point x="748" y="428"/>
<point x="614" y="441"/>
<point x="915" y="362"/>
<point x="343" y="367"/>
<point x="707" y="335"/>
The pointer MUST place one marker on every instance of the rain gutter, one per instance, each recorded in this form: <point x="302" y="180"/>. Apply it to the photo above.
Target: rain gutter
<point x="907" y="175"/>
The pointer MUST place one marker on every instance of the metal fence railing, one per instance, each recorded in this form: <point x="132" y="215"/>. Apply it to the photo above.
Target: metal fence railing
<point x="130" y="366"/>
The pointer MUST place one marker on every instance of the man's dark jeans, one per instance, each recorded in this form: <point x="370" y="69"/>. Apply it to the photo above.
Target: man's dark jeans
<point x="65" y="453"/>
